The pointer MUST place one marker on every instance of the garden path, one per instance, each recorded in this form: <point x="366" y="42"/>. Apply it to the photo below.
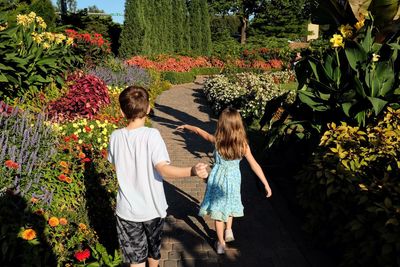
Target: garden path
<point x="267" y="235"/>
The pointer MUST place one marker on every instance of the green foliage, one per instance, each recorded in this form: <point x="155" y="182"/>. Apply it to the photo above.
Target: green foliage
<point x="356" y="81"/>
<point x="188" y="77"/>
<point x="205" y="29"/>
<point x="195" y="27"/>
<point x="134" y="29"/>
<point x="179" y="27"/>
<point x="44" y="9"/>
<point x="281" y="18"/>
<point x="224" y="27"/>
<point x="350" y="192"/>
<point x="32" y="58"/>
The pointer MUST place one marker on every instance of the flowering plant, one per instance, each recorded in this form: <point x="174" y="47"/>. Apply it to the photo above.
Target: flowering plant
<point x="247" y="92"/>
<point x="92" y="46"/>
<point x="32" y="57"/>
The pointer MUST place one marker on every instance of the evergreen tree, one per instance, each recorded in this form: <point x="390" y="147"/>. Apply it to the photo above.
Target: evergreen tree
<point x="205" y="28"/>
<point x="281" y="18"/>
<point x="133" y="31"/>
<point x="196" y="42"/>
<point x="178" y="21"/>
<point x="44" y="9"/>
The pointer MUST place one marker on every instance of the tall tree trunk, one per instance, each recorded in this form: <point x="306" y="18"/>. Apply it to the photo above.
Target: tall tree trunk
<point x="243" y="30"/>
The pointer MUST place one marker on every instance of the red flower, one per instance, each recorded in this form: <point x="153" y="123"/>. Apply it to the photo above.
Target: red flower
<point x="87" y="129"/>
<point x="67" y="138"/>
<point x="62" y="177"/>
<point x="86" y="160"/>
<point x="73" y="136"/>
<point x="11" y="164"/>
<point x="82" y="255"/>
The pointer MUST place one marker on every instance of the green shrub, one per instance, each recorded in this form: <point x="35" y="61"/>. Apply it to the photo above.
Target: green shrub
<point x="350" y="192"/>
<point x="188" y="77"/>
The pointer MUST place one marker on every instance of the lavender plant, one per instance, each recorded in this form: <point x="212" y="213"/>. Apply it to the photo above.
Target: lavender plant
<point x="27" y="147"/>
<point x="126" y="75"/>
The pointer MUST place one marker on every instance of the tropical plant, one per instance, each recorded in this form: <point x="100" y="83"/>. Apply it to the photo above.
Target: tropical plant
<point x="356" y="79"/>
<point x="32" y="58"/>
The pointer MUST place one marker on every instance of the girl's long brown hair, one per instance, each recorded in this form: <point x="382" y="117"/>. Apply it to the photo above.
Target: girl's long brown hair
<point x="230" y="137"/>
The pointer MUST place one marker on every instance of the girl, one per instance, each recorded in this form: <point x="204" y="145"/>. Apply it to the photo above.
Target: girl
<point x="222" y="200"/>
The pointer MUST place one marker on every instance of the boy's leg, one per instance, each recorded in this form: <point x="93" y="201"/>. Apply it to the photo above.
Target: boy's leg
<point x="229" y="223"/>
<point x="154" y="230"/>
<point x="153" y="262"/>
<point x="133" y="242"/>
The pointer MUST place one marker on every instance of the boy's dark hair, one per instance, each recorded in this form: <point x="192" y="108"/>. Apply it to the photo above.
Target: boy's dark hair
<point x="134" y="101"/>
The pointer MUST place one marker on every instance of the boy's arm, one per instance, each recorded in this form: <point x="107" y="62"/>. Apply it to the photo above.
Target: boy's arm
<point x="169" y="171"/>
<point x="257" y="170"/>
<point x="205" y="135"/>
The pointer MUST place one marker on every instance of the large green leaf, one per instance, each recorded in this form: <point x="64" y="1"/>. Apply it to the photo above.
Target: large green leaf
<point x="315" y="103"/>
<point x="355" y="54"/>
<point x="384" y="11"/>
<point x="48" y="61"/>
<point x="346" y="108"/>
<point x="359" y="87"/>
<point x="385" y="77"/>
<point x="3" y="78"/>
<point x="377" y="104"/>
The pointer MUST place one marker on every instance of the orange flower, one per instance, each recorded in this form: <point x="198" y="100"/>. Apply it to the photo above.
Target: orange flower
<point x="53" y="221"/>
<point x="63" y="221"/>
<point x="28" y="234"/>
<point x="82" y="155"/>
<point x="34" y="200"/>
<point x="63" y="164"/>
<point x="82" y="226"/>
<point x="62" y="177"/>
<point x="87" y="129"/>
<point x="68" y="180"/>
<point x="11" y="164"/>
<point x="65" y="171"/>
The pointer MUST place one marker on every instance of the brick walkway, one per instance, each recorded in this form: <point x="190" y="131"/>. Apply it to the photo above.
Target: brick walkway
<point x="262" y="239"/>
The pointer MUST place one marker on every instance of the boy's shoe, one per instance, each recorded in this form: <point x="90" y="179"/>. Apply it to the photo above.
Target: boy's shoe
<point x="229" y="235"/>
<point x="219" y="248"/>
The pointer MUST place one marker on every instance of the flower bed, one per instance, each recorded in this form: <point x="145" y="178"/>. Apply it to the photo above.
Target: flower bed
<point x="247" y="92"/>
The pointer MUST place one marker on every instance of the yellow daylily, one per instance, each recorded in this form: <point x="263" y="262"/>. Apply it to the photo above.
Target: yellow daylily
<point x="346" y="30"/>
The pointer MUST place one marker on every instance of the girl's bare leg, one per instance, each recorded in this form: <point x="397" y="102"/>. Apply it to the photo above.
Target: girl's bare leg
<point x="220" y="227"/>
<point x="139" y="265"/>
<point x="229" y="223"/>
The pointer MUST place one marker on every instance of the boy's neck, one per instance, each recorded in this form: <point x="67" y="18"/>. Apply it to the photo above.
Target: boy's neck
<point x="137" y="123"/>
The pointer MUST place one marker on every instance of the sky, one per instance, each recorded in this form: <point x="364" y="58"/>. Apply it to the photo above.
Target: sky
<point x="112" y="7"/>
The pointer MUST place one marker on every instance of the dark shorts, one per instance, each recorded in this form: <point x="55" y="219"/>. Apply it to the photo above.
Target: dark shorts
<point x="140" y="240"/>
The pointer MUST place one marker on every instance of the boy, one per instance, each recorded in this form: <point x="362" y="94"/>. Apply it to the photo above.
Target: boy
<point x="141" y="161"/>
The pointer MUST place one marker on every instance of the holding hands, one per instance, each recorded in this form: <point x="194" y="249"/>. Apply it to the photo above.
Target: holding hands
<point x="200" y="170"/>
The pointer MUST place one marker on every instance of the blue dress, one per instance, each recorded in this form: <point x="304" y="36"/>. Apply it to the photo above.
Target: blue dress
<point x="222" y="198"/>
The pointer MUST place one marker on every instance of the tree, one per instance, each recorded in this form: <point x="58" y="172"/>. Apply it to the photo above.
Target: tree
<point x="66" y="6"/>
<point x="281" y="18"/>
<point x="195" y="26"/>
<point x="205" y="28"/>
<point x="241" y="8"/>
<point x="133" y="30"/>
<point x="179" y="13"/>
<point x="44" y="9"/>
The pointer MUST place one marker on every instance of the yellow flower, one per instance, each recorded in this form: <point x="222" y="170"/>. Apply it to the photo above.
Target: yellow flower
<point x="41" y="23"/>
<point x="59" y="38"/>
<point x="375" y="57"/>
<point x="91" y="127"/>
<point x="32" y="15"/>
<point x="98" y="140"/>
<point x="2" y="28"/>
<point x="46" y="45"/>
<point x="28" y="234"/>
<point x="23" y="20"/>
<point x="37" y="38"/>
<point x="337" y="40"/>
<point x="346" y="30"/>
<point x="49" y="36"/>
<point x="363" y="187"/>
<point x="69" y="41"/>
<point x="75" y="125"/>
<point x="359" y="24"/>
<point x="80" y="142"/>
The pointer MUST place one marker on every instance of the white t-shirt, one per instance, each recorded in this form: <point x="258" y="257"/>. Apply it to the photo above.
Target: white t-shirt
<point x="135" y="153"/>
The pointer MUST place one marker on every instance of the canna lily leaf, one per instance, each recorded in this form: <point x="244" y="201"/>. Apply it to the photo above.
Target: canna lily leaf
<point x="377" y="104"/>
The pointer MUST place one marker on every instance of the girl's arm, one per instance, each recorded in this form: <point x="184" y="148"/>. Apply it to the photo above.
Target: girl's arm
<point x="257" y="170"/>
<point x="205" y="135"/>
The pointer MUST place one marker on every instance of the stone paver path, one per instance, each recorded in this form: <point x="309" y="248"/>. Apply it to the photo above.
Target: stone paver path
<point x="261" y="237"/>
